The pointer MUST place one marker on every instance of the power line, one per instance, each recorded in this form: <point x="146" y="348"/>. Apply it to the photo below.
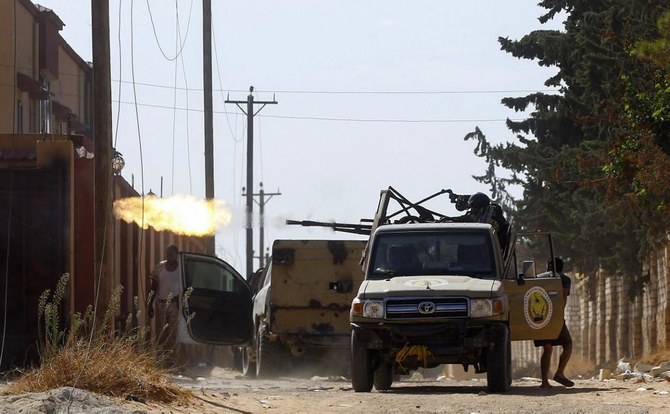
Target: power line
<point x="443" y="92"/>
<point x="118" y="107"/>
<point x="334" y="119"/>
<point x="179" y="61"/>
<point x="362" y="92"/>
<point x="464" y="92"/>
<point x="330" y="92"/>
<point x="188" y="26"/>
<point x="381" y="120"/>
<point x="218" y="72"/>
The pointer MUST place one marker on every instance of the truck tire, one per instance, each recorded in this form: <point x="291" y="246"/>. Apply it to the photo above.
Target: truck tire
<point x="362" y="374"/>
<point x="383" y="376"/>
<point x="267" y="355"/>
<point x="498" y="362"/>
<point x="248" y="366"/>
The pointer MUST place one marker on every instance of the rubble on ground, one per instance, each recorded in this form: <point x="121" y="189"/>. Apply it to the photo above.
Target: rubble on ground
<point x="640" y="372"/>
<point x="62" y="400"/>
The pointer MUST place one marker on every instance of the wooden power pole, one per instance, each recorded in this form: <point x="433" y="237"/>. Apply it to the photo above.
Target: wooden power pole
<point x="210" y="244"/>
<point x="249" y="112"/>
<point x="263" y="199"/>
<point x="102" y="132"/>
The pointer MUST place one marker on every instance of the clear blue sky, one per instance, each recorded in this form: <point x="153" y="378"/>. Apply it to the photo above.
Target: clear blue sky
<point x="338" y="135"/>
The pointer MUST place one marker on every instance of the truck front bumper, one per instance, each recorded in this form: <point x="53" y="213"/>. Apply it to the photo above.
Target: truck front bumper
<point x="451" y="338"/>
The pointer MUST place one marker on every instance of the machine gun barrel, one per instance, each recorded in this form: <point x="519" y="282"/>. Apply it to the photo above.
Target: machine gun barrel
<point x="460" y="200"/>
<point x="364" y="229"/>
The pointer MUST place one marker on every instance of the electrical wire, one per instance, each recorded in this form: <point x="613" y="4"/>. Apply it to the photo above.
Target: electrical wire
<point x="382" y="93"/>
<point x="333" y="119"/>
<point x="137" y="123"/>
<point x="223" y="99"/>
<point x="237" y="139"/>
<point x="98" y="281"/>
<point x="221" y="90"/>
<point x="327" y="92"/>
<point x="98" y="277"/>
<point x="118" y="106"/>
<point x="153" y="27"/>
<point x="442" y="92"/>
<point x="332" y="92"/>
<point x="238" y="156"/>
<point x="34" y="231"/>
<point x="11" y="199"/>
<point x="174" y="104"/>
<point x="260" y="150"/>
<point x="188" y="129"/>
<point x="382" y="120"/>
<point x="241" y="147"/>
<point x="360" y="92"/>
<point x="140" y="249"/>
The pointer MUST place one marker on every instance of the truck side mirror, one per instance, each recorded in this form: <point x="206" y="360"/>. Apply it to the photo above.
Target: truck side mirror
<point x="527" y="270"/>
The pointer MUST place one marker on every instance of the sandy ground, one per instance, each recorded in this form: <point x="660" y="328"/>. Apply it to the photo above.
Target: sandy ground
<point x="218" y="390"/>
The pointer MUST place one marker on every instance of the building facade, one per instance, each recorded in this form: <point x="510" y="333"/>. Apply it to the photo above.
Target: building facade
<point x="47" y="185"/>
<point x="46" y="87"/>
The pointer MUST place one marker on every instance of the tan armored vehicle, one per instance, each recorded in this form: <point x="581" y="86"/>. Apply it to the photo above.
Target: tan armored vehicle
<point x="439" y="291"/>
<point x="301" y="308"/>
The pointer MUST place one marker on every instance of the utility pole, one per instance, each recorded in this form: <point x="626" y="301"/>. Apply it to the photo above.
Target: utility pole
<point x="262" y="201"/>
<point x="102" y="138"/>
<point x="209" y="118"/>
<point x="250" y="168"/>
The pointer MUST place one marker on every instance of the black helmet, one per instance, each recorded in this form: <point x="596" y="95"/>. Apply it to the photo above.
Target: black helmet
<point x="478" y="200"/>
<point x="559" y="264"/>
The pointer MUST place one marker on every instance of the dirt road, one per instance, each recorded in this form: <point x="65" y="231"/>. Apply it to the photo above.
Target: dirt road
<point x="220" y="390"/>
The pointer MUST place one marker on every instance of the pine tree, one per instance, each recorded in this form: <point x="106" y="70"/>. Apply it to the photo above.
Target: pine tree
<point x="587" y="157"/>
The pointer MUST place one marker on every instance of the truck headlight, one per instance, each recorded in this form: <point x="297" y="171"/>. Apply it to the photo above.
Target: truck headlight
<point x="480" y="308"/>
<point x="373" y="309"/>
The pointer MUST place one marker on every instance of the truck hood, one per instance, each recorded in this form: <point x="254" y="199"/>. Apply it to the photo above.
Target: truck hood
<point x="430" y="286"/>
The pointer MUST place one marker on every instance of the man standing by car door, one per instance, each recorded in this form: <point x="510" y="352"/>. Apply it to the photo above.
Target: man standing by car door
<point x="166" y="289"/>
<point x="564" y="339"/>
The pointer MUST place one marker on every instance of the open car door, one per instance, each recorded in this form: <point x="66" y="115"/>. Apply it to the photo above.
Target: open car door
<point x="218" y="308"/>
<point x="536" y="301"/>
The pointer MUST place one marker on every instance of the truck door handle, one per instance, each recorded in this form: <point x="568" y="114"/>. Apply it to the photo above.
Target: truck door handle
<point x="553" y="292"/>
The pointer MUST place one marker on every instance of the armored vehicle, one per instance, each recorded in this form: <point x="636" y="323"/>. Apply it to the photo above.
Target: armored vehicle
<point x="301" y="308"/>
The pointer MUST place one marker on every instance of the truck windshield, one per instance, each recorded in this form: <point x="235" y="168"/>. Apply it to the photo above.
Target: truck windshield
<point x="432" y="253"/>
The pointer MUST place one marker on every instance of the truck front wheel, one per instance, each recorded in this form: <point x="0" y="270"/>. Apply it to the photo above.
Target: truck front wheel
<point x="267" y="355"/>
<point x="498" y="362"/>
<point x="362" y="374"/>
<point x="383" y="376"/>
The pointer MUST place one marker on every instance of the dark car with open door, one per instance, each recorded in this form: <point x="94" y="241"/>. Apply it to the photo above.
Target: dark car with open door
<point x="218" y="302"/>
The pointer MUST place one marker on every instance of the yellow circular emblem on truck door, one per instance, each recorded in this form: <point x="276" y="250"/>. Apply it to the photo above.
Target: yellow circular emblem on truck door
<point x="537" y="307"/>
